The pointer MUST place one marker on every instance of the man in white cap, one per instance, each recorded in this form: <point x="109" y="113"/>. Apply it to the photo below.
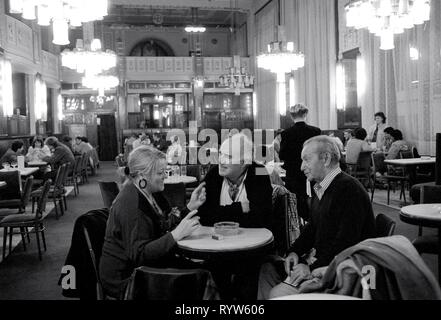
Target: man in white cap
<point x="237" y="190"/>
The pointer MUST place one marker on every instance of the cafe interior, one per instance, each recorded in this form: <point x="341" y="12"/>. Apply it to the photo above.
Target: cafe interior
<point x="92" y="82"/>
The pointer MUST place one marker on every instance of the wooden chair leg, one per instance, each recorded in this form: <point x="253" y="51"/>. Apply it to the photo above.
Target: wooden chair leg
<point x="10" y="239"/>
<point x="38" y="240"/>
<point x="5" y="236"/>
<point x="388" y="192"/>
<point x="33" y="204"/>
<point x="23" y="238"/>
<point x="56" y="209"/>
<point x="65" y="202"/>
<point x="61" y="205"/>
<point x="43" y="237"/>
<point x="27" y="234"/>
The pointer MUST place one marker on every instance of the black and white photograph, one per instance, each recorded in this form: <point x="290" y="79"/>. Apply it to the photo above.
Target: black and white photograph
<point x="220" y="158"/>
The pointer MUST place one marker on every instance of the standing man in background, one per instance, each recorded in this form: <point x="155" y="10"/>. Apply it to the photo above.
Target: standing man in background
<point x="290" y="152"/>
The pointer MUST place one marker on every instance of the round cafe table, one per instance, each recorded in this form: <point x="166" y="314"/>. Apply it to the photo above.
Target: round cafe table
<point x="179" y="179"/>
<point x="248" y="242"/>
<point x="316" y="296"/>
<point x="426" y="215"/>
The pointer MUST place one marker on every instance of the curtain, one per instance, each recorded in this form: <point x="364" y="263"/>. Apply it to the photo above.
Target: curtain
<point x="314" y="32"/>
<point x="418" y="82"/>
<point x="266" y="115"/>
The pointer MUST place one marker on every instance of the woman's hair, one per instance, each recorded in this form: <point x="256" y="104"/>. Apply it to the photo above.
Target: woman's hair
<point x="37" y="140"/>
<point x="360" y="133"/>
<point x="143" y="159"/>
<point x="397" y="135"/>
<point x="17" y="144"/>
<point x="389" y="130"/>
<point x="84" y="139"/>
<point x="381" y="115"/>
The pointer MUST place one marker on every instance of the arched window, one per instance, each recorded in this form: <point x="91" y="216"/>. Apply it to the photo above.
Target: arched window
<point x="152" y="48"/>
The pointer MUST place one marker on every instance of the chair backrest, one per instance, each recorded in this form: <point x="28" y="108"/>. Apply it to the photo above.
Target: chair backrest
<point x="279" y="224"/>
<point x="26" y="194"/>
<point x="109" y="191"/>
<point x="65" y="173"/>
<point x="430" y="194"/>
<point x="84" y="161"/>
<point x="364" y="160"/>
<point x="58" y="183"/>
<point x="175" y="194"/>
<point x="77" y="166"/>
<point x="384" y="226"/>
<point x="406" y="154"/>
<point x="148" y="283"/>
<point x="377" y="161"/>
<point x="13" y="181"/>
<point x="41" y="205"/>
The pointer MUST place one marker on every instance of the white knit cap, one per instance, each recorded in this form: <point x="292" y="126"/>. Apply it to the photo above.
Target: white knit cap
<point x="237" y="148"/>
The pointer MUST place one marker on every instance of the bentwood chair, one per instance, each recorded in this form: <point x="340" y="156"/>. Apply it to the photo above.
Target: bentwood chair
<point x="23" y="221"/>
<point x="74" y="176"/>
<point x="56" y="192"/>
<point x="19" y="203"/>
<point x="147" y="283"/>
<point x="384" y="226"/>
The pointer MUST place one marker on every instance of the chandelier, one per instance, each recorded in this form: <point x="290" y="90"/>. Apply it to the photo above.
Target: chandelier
<point x="100" y="83"/>
<point x="61" y="13"/>
<point x="385" y="18"/>
<point x="90" y="60"/>
<point x="237" y="78"/>
<point x="281" y="59"/>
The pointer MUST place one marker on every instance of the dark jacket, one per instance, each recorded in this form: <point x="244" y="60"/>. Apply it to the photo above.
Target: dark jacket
<point x="259" y="193"/>
<point x="79" y="257"/>
<point x="61" y="155"/>
<point x="342" y="218"/>
<point x="291" y="150"/>
<point x="135" y="236"/>
<point x="9" y="156"/>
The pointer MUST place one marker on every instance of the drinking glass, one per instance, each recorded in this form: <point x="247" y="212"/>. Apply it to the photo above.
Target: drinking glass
<point x="14" y="164"/>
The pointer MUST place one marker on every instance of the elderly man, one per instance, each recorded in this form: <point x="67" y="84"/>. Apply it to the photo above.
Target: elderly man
<point x="341" y="216"/>
<point x="61" y="154"/>
<point x="237" y="190"/>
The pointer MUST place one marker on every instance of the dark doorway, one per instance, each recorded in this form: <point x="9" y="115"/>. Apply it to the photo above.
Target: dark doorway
<point x="107" y="142"/>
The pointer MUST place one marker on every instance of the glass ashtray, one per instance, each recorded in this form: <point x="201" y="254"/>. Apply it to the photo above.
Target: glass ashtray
<point x="226" y="228"/>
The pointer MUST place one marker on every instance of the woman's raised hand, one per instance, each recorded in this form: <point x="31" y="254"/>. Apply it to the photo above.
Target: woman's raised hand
<point x="198" y="197"/>
<point x="187" y="226"/>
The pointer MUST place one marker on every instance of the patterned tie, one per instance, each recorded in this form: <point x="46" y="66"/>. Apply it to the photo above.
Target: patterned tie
<point x="233" y="190"/>
<point x="318" y="190"/>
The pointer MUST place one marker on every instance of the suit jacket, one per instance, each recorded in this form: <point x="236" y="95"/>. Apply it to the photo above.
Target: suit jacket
<point x="259" y="193"/>
<point x="291" y="150"/>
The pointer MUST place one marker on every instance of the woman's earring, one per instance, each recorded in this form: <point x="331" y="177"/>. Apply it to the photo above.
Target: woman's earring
<point x="142" y="183"/>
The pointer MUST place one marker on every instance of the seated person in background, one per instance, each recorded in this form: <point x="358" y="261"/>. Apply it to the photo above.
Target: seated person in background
<point x="11" y="154"/>
<point x="348" y="135"/>
<point x="145" y="140"/>
<point x="159" y="143"/>
<point x="398" y="144"/>
<point x="341" y="216"/>
<point x="356" y="145"/>
<point x="137" y="142"/>
<point x="174" y="151"/>
<point x="37" y="151"/>
<point x="237" y="190"/>
<point x="67" y="141"/>
<point x="388" y="140"/>
<point x="142" y="230"/>
<point x="81" y="147"/>
<point x="60" y="155"/>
